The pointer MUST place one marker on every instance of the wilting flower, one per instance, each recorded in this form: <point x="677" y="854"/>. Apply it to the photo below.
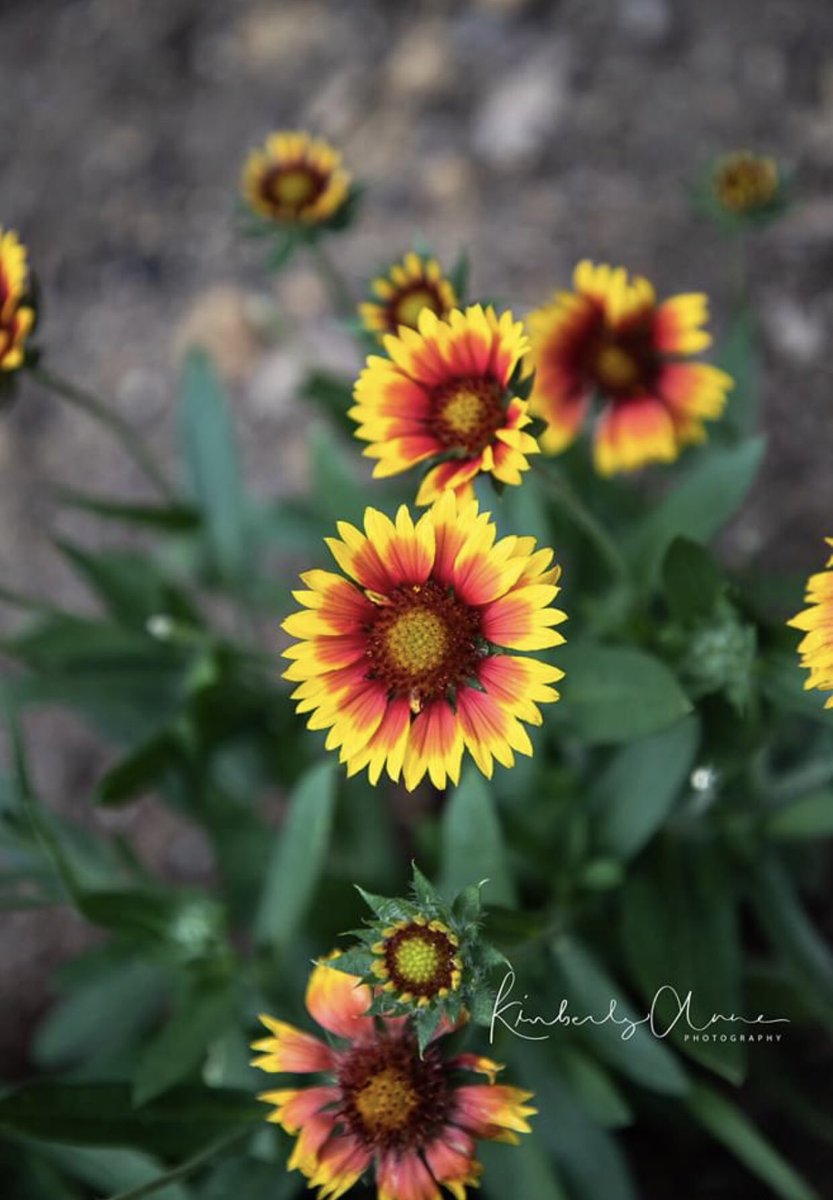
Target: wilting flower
<point x="412" y="1119"/>
<point x="816" y="647"/>
<point x="295" y="179"/>
<point x="403" y="661"/>
<point x="400" y="296"/>
<point x="445" y="397"/>
<point x="16" y="316"/>
<point x="746" y="184"/>
<point x="610" y="339"/>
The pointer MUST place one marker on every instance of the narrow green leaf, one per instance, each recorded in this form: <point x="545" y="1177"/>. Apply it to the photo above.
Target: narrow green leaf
<point x="298" y="857"/>
<point x="697" y="508"/>
<point x="111" y="1170"/>
<point x="181" y="1045"/>
<point x="141" y="769"/>
<point x="807" y="817"/>
<point x="786" y="925"/>
<point x="166" y="518"/>
<point x="525" y="1170"/>
<point x="102" y="1114"/>
<point x="680" y="931"/>
<point x="590" y="993"/>
<point x="210" y="453"/>
<point x="593" y="1087"/>
<point x="614" y="694"/>
<point x="691" y="580"/>
<point x="638" y="788"/>
<point x="740" y="356"/>
<point x="727" y="1124"/>
<point x="473" y="848"/>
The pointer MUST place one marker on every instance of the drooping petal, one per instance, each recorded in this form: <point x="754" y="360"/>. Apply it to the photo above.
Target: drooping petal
<point x="339" y="1002"/>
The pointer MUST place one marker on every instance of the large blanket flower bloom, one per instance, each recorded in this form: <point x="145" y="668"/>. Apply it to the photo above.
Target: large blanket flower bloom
<point x="443" y="397"/>
<point x="610" y="339"/>
<point x="410" y="656"/>
<point x="380" y="1107"/>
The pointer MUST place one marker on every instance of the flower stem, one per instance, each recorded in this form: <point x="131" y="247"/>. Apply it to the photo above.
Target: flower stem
<point x="334" y="281"/>
<point x="190" y="1164"/>
<point x="120" y="429"/>
<point x="568" y="499"/>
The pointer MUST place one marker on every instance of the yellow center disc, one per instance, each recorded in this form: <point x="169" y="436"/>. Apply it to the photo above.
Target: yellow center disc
<point x="386" y="1101"/>
<point x="417" y="641"/>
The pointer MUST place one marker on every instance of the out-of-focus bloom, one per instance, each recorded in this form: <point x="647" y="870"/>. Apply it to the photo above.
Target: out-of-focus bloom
<point x="816" y="648"/>
<point x="295" y="179"/>
<point x="444" y="397"/>
<point x="400" y="296"/>
<point x="16" y="316"/>
<point x="746" y="184"/>
<point x="417" y="960"/>
<point x="413" y="1120"/>
<point x="610" y="339"/>
<point x="403" y="662"/>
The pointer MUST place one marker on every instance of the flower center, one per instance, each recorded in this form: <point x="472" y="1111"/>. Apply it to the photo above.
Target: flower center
<point x="417" y="640"/>
<point x="406" y="309"/>
<point x="614" y="368"/>
<point x="292" y="187"/>
<point x="419" y="960"/>
<point x="386" y="1101"/>
<point x="467" y="412"/>
<point x="390" y="1097"/>
<point x="423" y="641"/>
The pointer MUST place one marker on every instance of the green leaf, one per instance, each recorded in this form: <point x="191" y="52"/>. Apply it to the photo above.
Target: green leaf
<point x="697" y="508"/>
<point x="101" y="1015"/>
<point x="786" y="925"/>
<point x="807" y="817"/>
<point x="102" y="1114"/>
<point x="593" y="1087"/>
<point x="210" y="453"/>
<point x="691" y="580"/>
<point x="614" y="694"/>
<point x="338" y="492"/>
<point x="110" y="1170"/>
<point x="182" y="1044"/>
<point x="333" y="395"/>
<point x="130" y="585"/>
<point x="590" y="992"/>
<point x="139" y="771"/>
<point x="727" y="1124"/>
<point x="525" y="1170"/>
<point x="298" y="857"/>
<point x="680" y="931"/>
<point x="473" y="848"/>
<point x="166" y="518"/>
<point x="637" y="790"/>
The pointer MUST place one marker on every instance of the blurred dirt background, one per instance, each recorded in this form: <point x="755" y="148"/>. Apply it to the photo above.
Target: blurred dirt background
<point x="532" y="133"/>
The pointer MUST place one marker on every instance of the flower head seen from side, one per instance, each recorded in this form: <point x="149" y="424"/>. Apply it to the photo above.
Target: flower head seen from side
<point x="377" y="1105"/>
<point x="746" y="185"/>
<point x="816" y="647"/>
<point x="400" y="295"/>
<point x="295" y="180"/>
<point x="410" y="655"/>
<point x="444" y="398"/>
<point x="609" y="339"/>
<point x="16" y="315"/>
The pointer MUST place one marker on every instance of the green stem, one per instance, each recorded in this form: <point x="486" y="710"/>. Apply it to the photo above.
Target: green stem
<point x="566" y="496"/>
<point x="120" y="429"/>
<point x="22" y="600"/>
<point x="334" y="281"/>
<point x="190" y="1164"/>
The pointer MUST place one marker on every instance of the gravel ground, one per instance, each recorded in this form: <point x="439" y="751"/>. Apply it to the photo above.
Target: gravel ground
<point x="533" y="133"/>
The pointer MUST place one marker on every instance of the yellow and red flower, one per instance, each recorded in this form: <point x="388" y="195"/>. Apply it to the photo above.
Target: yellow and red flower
<point x="816" y="647"/>
<point x="295" y="179"/>
<point x="746" y="184"/>
<point x="609" y="338"/>
<point x="412" y="1120"/>
<point x="400" y="296"/>
<point x="16" y="316"/>
<point x="418" y="960"/>
<point x="444" y="397"/>
<point x="409" y="657"/>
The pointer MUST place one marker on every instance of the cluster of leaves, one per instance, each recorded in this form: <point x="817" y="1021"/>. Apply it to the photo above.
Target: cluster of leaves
<point x="666" y="832"/>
